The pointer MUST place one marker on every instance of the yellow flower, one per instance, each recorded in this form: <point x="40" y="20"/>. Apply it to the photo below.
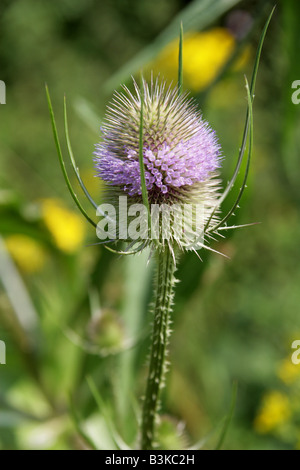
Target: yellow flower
<point x="204" y="55"/>
<point x="288" y="372"/>
<point x="66" y="227"/>
<point x="274" y="412"/>
<point x="29" y="254"/>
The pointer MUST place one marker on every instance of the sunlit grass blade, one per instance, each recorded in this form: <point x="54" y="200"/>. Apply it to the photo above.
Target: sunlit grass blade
<point x="250" y="148"/>
<point x="229" y="417"/>
<point x="120" y="444"/>
<point x="62" y="163"/>
<point x="72" y="159"/>
<point x="17" y="293"/>
<point x="180" y="60"/>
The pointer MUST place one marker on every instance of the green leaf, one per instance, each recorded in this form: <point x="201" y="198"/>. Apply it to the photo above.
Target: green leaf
<point x="245" y="134"/>
<point x="71" y="155"/>
<point x="250" y="148"/>
<point x="62" y="163"/>
<point x="252" y="90"/>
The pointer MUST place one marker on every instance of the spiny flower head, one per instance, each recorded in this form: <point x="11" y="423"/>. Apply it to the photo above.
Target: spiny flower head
<point x="181" y="153"/>
<point x="180" y="149"/>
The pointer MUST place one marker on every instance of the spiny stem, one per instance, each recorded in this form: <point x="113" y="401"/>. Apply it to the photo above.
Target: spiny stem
<point x="161" y="331"/>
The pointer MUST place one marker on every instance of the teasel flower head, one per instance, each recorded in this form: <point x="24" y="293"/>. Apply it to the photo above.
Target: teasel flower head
<point x="157" y="150"/>
<point x="181" y="158"/>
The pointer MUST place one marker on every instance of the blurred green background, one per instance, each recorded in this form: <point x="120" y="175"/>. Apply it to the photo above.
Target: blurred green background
<point x="74" y="317"/>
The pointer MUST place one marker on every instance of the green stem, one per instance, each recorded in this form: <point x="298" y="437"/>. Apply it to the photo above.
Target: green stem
<point x="161" y="332"/>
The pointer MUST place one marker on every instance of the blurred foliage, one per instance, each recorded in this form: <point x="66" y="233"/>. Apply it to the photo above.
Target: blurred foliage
<point x="69" y="311"/>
